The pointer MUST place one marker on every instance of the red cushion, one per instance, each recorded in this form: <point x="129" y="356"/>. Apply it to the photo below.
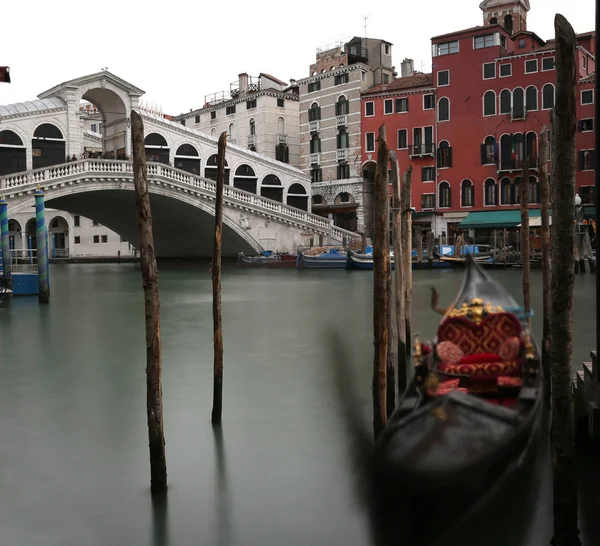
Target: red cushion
<point x="483" y="371"/>
<point x="480" y="358"/>
<point x="509" y="350"/>
<point x="449" y="353"/>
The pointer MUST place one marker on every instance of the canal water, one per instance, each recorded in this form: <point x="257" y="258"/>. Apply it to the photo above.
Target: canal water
<point x="73" y="440"/>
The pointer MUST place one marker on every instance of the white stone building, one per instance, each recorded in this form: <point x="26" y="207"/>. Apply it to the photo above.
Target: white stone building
<point x="258" y="113"/>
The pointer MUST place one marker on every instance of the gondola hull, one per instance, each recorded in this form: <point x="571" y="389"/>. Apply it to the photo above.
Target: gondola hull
<point x="326" y="260"/>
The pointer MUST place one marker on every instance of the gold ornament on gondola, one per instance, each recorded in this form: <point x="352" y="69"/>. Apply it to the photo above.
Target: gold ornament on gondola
<point x="476" y="311"/>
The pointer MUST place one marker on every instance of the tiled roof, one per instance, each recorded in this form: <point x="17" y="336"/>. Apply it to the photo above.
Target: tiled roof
<point x="466" y="30"/>
<point x="273" y="78"/>
<point x="410" y="82"/>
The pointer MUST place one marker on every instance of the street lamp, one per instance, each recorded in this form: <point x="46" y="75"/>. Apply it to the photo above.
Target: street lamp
<point x="578" y="212"/>
<point x="577" y="200"/>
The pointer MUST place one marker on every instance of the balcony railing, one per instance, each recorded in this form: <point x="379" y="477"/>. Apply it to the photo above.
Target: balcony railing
<point x="315" y="159"/>
<point x="281" y="139"/>
<point x="417" y="150"/>
<point x="341" y="155"/>
<point x="518" y="113"/>
<point x="341" y="121"/>
<point x="251" y="140"/>
<point x="507" y="165"/>
<point x="313" y="126"/>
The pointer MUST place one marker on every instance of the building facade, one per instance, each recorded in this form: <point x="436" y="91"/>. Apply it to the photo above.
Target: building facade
<point x="330" y="125"/>
<point x="468" y="127"/>
<point x="260" y="113"/>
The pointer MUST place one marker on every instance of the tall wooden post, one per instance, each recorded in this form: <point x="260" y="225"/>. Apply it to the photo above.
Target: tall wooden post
<point x="407" y="253"/>
<point x="546" y="272"/>
<point x="525" y="250"/>
<point x="154" y="406"/>
<point x="217" y="409"/>
<point x="402" y="372"/>
<point x="430" y="246"/>
<point x="566" y="532"/>
<point x="381" y="281"/>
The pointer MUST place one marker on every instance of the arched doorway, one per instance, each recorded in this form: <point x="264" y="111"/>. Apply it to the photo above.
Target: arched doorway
<point x="210" y="171"/>
<point x="12" y="153"/>
<point x="344" y="211"/>
<point x="297" y="197"/>
<point x="59" y="237"/>
<point x="245" y="178"/>
<point x="48" y="146"/>
<point x="14" y="235"/>
<point x="187" y="159"/>
<point x="271" y="188"/>
<point x="157" y="148"/>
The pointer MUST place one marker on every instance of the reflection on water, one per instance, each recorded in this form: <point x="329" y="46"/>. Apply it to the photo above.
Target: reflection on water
<point x="74" y="453"/>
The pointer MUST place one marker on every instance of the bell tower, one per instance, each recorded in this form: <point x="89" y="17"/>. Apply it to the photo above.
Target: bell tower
<point x="511" y="14"/>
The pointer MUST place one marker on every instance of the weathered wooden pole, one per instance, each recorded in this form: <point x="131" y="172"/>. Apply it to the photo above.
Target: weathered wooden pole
<point x="430" y="246"/>
<point x="546" y="272"/>
<point x="401" y="360"/>
<point x="41" y="236"/>
<point x="5" y="241"/>
<point x="217" y="410"/>
<point x="566" y="531"/>
<point x="525" y="250"/>
<point x="381" y="282"/>
<point x="407" y="255"/>
<point x="154" y="406"/>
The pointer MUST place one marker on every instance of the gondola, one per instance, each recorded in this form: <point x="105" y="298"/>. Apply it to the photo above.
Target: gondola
<point x="266" y="259"/>
<point x="483" y="258"/>
<point x="474" y="408"/>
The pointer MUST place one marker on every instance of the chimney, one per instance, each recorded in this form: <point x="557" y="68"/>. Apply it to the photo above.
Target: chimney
<point x="292" y="82"/>
<point x="243" y="83"/>
<point x="407" y="68"/>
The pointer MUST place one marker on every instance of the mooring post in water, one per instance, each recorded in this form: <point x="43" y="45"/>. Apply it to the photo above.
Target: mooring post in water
<point x="525" y="251"/>
<point x="154" y="405"/>
<point x="566" y="531"/>
<point x="42" y="248"/>
<point x="5" y="240"/>
<point x="407" y="253"/>
<point x="430" y="246"/>
<point x="217" y="410"/>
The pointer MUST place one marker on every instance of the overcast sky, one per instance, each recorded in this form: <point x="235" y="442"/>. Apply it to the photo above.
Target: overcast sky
<point x="180" y="51"/>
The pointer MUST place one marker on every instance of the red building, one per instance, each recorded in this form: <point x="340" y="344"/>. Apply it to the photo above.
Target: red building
<point x="469" y="125"/>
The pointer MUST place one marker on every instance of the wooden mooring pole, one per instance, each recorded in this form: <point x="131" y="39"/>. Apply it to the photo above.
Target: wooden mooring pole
<point x="217" y="410"/>
<point x="407" y="254"/>
<point x="566" y="531"/>
<point x="154" y="406"/>
<point x="525" y="251"/>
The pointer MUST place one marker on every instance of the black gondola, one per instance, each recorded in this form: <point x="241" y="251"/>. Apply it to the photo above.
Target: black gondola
<point x="473" y="410"/>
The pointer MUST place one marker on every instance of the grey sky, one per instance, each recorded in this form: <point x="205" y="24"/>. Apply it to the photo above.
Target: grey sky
<point x="179" y="51"/>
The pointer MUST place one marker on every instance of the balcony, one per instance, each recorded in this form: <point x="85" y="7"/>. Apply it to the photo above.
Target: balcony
<point x="341" y="155"/>
<point x="315" y="159"/>
<point x="341" y="121"/>
<point x="517" y="114"/>
<point x="313" y="126"/>
<point x="281" y="139"/>
<point x="422" y="150"/>
<point x="251" y="140"/>
<point x="514" y="165"/>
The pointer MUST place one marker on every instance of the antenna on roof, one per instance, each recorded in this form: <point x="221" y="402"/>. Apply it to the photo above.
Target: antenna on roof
<point x="365" y="17"/>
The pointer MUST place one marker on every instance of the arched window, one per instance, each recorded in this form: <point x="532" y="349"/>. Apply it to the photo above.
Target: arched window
<point x="531" y="98"/>
<point x="341" y="106"/>
<point x="444" y="109"/>
<point x="297" y="197"/>
<point x="534" y="190"/>
<point x="154" y="139"/>
<point x="467" y="193"/>
<point x="10" y="138"/>
<point x="280" y="126"/>
<point x="187" y="159"/>
<point x="318" y="200"/>
<point x="493" y="21"/>
<point x="48" y="131"/>
<point x="48" y="146"/>
<point x="506" y="153"/>
<point x="157" y="148"/>
<point x="505" y="191"/>
<point x="489" y="151"/>
<point x="315" y="144"/>
<point x="271" y="188"/>
<point x="548" y="96"/>
<point x="490" y="193"/>
<point x="518" y="103"/>
<point x="12" y="153"/>
<point x="231" y="133"/>
<point x="210" y="171"/>
<point x="245" y="178"/>
<point x="213" y="132"/>
<point x="343" y="198"/>
<point x="508" y="23"/>
<point x="515" y="194"/>
<point x="532" y="149"/>
<point x="489" y="103"/>
<point x="519" y="149"/>
<point x="252" y="126"/>
<point x="444" y="195"/>
<point x="444" y="155"/>
<point x="314" y="113"/>
<point x="505" y="101"/>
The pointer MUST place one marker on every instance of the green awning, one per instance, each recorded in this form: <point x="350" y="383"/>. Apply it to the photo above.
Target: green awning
<point x="495" y="219"/>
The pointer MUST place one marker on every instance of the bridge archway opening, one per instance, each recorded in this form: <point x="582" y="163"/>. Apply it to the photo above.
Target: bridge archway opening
<point x="59" y="236"/>
<point x="14" y="234"/>
<point x="210" y="171"/>
<point x="47" y="146"/>
<point x="187" y="159"/>
<point x="157" y="148"/>
<point x="114" y="114"/>
<point x="12" y="153"/>
<point x="31" y="235"/>
<point x="245" y="178"/>
<point x="297" y="197"/>
<point x="271" y="188"/>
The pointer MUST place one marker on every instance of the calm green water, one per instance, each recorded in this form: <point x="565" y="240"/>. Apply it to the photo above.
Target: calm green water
<point x="73" y="446"/>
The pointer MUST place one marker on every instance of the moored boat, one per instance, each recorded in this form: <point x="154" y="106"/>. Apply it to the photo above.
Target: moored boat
<point x="266" y="259"/>
<point x="321" y="258"/>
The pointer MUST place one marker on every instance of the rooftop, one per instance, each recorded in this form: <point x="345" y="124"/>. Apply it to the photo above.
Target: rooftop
<point x="409" y="82"/>
<point x="32" y="106"/>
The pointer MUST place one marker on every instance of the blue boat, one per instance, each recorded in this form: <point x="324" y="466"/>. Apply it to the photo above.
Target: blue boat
<point x="357" y="260"/>
<point x="332" y="258"/>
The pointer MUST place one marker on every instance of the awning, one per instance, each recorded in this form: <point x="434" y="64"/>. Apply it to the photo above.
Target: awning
<point x="495" y="219"/>
<point x="536" y="222"/>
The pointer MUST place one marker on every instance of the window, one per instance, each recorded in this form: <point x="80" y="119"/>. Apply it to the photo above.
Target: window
<point x="369" y="109"/>
<point x="386" y="49"/>
<point x="531" y="98"/>
<point x="230" y="110"/>
<point x="197" y="119"/>
<point x="77" y="239"/>
<point x="94" y="128"/>
<point x="213" y="114"/>
<point x="343" y="171"/>
<point x="586" y="125"/>
<point x="96" y="239"/>
<point x="444" y="155"/>
<point x="370" y="142"/>
<point x="402" y="139"/>
<point x="489" y="103"/>
<point x="444" y="109"/>
<point x="386" y="78"/>
<point x="444" y="199"/>
<point x="489" y="151"/>
<point x="428" y="102"/>
<point x="587" y="160"/>
<point x="280" y="102"/>
<point x="282" y="153"/>
<point x="443" y="77"/>
<point x="522" y="43"/>
<point x="587" y="195"/>
<point x="342" y="106"/>
<point x="402" y="105"/>
<point x="518" y="103"/>
<point x="76" y="220"/>
<point x="94" y="223"/>
<point x="314" y="113"/>
<point x="315" y="144"/>
<point x="388" y="106"/>
<point x="363" y="76"/>
<point x="427" y="174"/>
<point x="341" y="79"/>
<point x="534" y="190"/>
<point x="250" y="104"/>
<point x="587" y="96"/>
<point x="505" y="191"/>
<point x="104" y="238"/>
<point x="505" y="70"/>
<point x="490" y="197"/>
<point x="342" y="140"/>
<point x="316" y="175"/>
<point x="427" y="201"/>
<point x="548" y="97"/>
<point x="479" y="42"/>
<point x="314" y="86"/>
<point x="183" y="122"/>
<point x="531" y="66"/>
<point x="547" y="64"/>
<point x="467" y="193"/>
<point x="489" y="71"/>
<point x="505" y="101"/>
<point x="446" y="48"/>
